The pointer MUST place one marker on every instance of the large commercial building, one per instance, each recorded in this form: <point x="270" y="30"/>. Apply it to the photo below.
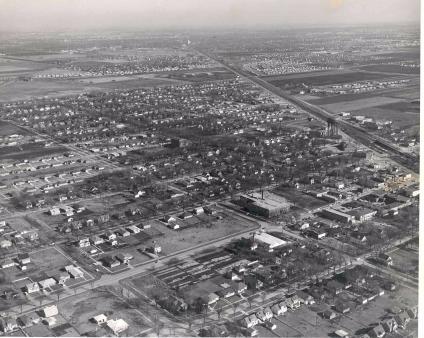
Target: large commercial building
<point x="337" y="215"/>
<point x="265" y="204"/>
<point x="269" y="241"/>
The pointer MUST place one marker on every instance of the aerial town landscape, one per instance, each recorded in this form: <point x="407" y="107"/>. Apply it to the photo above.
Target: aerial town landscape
<point x="210" y="183"/>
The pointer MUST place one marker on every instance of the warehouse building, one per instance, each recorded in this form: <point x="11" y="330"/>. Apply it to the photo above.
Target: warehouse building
<point x="265" y="204"/>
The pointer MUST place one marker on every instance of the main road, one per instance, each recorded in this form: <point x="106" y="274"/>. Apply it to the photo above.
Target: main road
<point x="359" y="134"/>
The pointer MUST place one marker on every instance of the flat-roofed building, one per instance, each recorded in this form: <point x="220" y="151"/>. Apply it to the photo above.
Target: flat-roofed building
<point x="337" y="215"/>
<point x="269" y="241"/>
<point x="266" y="204"/>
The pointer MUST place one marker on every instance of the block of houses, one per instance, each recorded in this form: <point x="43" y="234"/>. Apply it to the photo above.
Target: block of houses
<point x="49" y="311"/>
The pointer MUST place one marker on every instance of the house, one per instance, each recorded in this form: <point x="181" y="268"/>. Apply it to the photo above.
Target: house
<point x="198" y="211"/>
<point x="384" y="259"/>
<point x="50" y="321"/>
<point x="24" y="321"/>
<point x="185" y="215"/>
<point x="31" y="288"/>
<point x="145" y="226"/>
<point x="261" y="315"/>
<point x="122" y="232"/>
<point x="283" y="306"/>
<point x="110" y="236"/>
<point x="61" y="278"/>
<point x="133" y="229"/>
<point x="84" y="242"/>
<point x="389" y="325"/>
<point x="402" y="319"/>
<point x="293" y="302"/>
<point x="117" y="326"/>
<point x="54" y="211"/>
<point x="8" y="325"/>
<point x="412" y="312"/>
<point x="251" y="332"/>
<point x="341" y="333"/>
<point x="334" y="287"/>
<point x="214" y="331"/>
<point x="5" y="243"/>
<point x="209" y="211"/>
<point x="305" y="298"/>
<point x="74" y="272"/>
<point x="253" y="319"/>
<point x="252" y="282"/>
<point x="173" y="226"/>
<point x="342" y="306"/>
<point x="47" y="283"/>
<point x="268" y="313"/>
<point x="49" y="311"/>
<point x="246" y="322"/>
<point x="328" y="314"/>
<point x="168" y="219"/>
<point x="124" y="258"/>
<point x="110" y="262"/>
<point x="277" y="310"/>
<point x="96" y="240"/>
<point x="377" y="331"/>
<point x="240" y="287"/>
<point x="7" y="263"/>
<point x="99" y="319"/>
<point x="24" y="259"/>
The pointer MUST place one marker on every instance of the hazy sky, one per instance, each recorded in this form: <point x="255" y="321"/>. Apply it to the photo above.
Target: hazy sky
<point x="58" y="15"/>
